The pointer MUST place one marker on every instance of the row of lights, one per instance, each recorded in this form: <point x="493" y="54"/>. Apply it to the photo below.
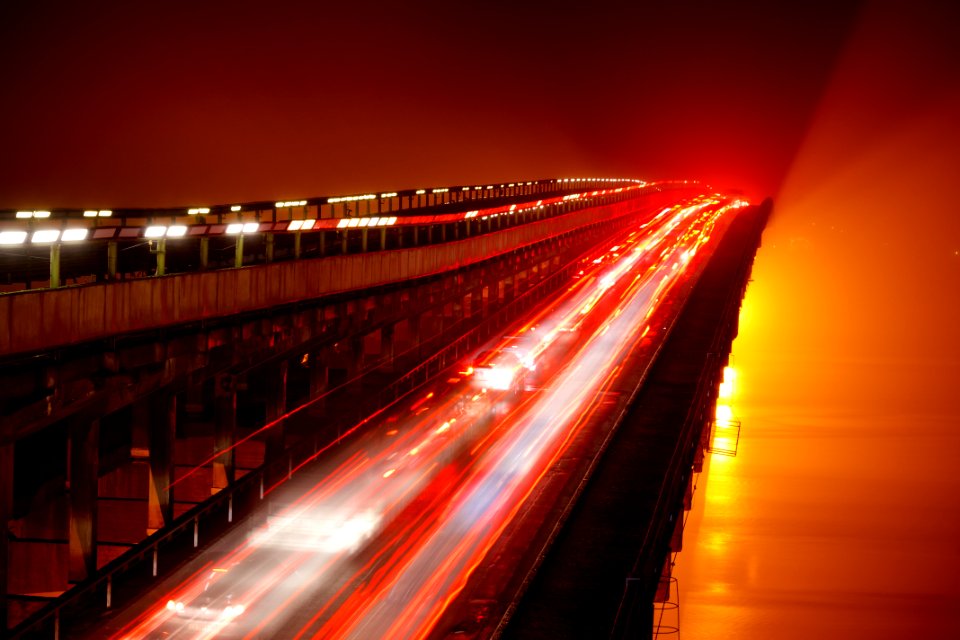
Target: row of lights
<point x="44" y="236"/>
<point x="366" y="222"/>
<point x="193" y="211"/>
<point x="47" y="236"/>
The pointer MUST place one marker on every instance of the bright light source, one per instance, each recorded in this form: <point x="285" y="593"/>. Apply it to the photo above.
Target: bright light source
<point x="393" y="220"/>
<point x="12" y="237"/>
<point x="235" y="207"/>
<point x="24" y="214"/>
<point x="89" y="214"/>
<point x="193" y="212"/>
<point x="420" y="192"/>
<point x="45" y="235"/>
<point x="235" y="228"/>
<point x="724" y="413"/>
<point x="41" y="214"/>
<point x="156" y="231"/>
<point x="382" y="222"/>
<point x="177" y="231"/>
<point x="444" y="190"/>
<point x="353" y="222"/>
<point x="295" y="225"/>
<point x="308" y="224"/>
<point x="105" y="213"/>
<point x="367" y="196"/>
<point x="343" y="223"/>
<point x="392" y="194"/>
<point x="73" y="235"/>
<point x="251" y="227"/>
<point x="374" y="221"/>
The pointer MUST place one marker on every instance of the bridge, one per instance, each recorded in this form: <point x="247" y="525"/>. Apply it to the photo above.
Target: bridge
<point x="206" y="403"/>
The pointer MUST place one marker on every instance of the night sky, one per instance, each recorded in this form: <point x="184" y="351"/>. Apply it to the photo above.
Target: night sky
<point x="176" y="103"/>
<point x="845" y="497"/>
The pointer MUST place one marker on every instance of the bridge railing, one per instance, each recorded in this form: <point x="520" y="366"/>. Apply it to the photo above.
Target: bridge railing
<point x="41" y="249"/>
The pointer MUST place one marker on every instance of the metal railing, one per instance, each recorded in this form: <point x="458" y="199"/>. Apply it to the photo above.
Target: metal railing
<point x="49" y="253"/>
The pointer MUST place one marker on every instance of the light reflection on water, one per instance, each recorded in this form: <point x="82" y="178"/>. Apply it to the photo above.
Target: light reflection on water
<point x="840" y="515"/>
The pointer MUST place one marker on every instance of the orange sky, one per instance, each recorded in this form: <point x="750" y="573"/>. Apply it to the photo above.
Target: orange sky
<point x="175" y="102"/>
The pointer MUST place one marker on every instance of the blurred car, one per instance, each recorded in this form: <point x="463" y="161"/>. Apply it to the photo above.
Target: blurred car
<point x="216" y="603"/>
<point x="501" y="370"/>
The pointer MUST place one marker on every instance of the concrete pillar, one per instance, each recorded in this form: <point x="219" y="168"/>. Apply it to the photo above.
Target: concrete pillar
<point x="154" y="430"/>
<point x="343" y="241"/>
<point x="416" y="235"/>
<point x="363" y="239"/>
<point x="238" y="252"/>
<point x="161" y="257"/>
<point x="204" y="252"/>
<point x="275" y="387"/>
<point x="323" y="243"/>
<point x="663" y="586"/>
<point x="383" y="238"/>
<point x="112" y="260"/>
<point x="387" y="346"/>
<point x="676" y="540"/>
<point x="83" y="450"/>
<point x="318" y="378"/>
<point x="6" y="511"/>
<point x="225" y="431"/>
<point x="54" y="265"/>
<point x="268" y="241"/>
<point x="296" y="245"/>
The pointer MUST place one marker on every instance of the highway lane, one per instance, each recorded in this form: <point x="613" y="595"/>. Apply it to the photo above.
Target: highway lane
<point x="377" y="538"/>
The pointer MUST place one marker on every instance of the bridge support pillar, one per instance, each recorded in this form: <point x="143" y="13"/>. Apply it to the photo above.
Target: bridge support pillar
<point x="154" y="431"/>
<point x="297" y="238"/>
<point x="204" y="252"/>
<point x="383" y="238"/>
<point x="161" y="252"/>
<point x="83" y="471"/>
<point x="268" y="242"/>
<point x="663" y="588"/>
<point x="112" y="252"/>
<point x="363" y="239"/>
<point x="275" y="387"/>
<point x="344" y="242"/>
<point x="387" y="352"/>
<point x="6" y="511"/>
<point x="54" y="265"/>
<point x="238" y="252"/>
<point x="225" y="432"/>
<point x="676" y="540"/>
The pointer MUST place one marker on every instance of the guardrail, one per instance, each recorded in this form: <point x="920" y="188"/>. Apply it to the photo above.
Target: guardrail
<point x="39" y="253"/>
<point x="645" y="576"/>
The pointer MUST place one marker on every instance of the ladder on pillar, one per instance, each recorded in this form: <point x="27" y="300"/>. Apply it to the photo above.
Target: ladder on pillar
<point x="726" y="437"/>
